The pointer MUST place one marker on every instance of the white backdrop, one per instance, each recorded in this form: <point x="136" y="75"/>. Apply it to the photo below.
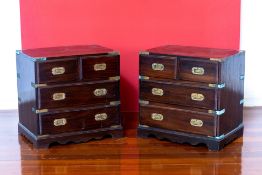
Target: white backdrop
<point x="251" y="37"/>
<point x="9" y="42"/>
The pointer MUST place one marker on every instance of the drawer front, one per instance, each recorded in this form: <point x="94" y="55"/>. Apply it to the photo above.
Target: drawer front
<point x="78" y="95"/>
<point x="177" y="94"/>
<point x="79" y="120"/>
<point x="158" y="66"/>
<point x="198" y="70"/>
<point x="178" y="120"/>
<point x="65" y="70"/>
<point x="100" y="67"/>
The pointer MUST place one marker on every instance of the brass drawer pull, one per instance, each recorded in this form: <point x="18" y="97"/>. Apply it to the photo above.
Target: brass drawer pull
<point x="197" y="97"/>
<point x="60" y="122"/>
<point x="196" y="122"/>
<point x="198" y="70"/>
<point x="58" y="70"/>
<point x="59" y="96"/>
<point x="101" y="117"/>
<point x="158" y="66"/>
<point x="100" y="92"/>
<point x="99" y="67"/>
<point x="156" y="116"/>
<point x="157" y="91"/>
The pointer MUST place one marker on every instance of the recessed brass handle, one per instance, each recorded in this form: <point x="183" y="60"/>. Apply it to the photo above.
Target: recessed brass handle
<point x="58" y="70"/>
<point x="197" y="97"/>
<point x="100" y="92"/>
<point x="156" y="116"/>
<point x="196" y="122"/>
<point x="100" y="67"/>
<point x="60" y="122"/>
<point x="158" y="66"/>
<point x="198" y="70"/>
<point x="101" y="117"/>
<point x="157" y="91"/>
<point x="59" y="96"/>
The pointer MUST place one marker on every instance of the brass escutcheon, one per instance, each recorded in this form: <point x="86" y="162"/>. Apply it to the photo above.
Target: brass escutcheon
<point x="196" y="122"/>
<point x="156" y="116"/>
<point x="59" y="96"/>
<point x="99" y="67"/>
<point x="197" y="97"/>
<point x="101" y="117"/>
<point x="60" y="122"/>
<point x="58" y="70"/>
<point x="157" y="91"/>
<point x="198" y="70"/>
<point x="158" y="66"/>
<point x="100" y="92"/>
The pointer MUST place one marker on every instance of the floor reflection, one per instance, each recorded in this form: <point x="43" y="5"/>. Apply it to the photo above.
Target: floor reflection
<point x="130" y="155"/>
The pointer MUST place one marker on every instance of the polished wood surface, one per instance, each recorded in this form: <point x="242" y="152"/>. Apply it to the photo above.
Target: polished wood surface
<point x="131" y="155"/>
<point x="60" y="51"/>
<point x="196" y="52"/>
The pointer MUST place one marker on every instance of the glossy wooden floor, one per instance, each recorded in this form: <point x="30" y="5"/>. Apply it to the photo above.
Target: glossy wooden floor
<point x="130" y="155"/>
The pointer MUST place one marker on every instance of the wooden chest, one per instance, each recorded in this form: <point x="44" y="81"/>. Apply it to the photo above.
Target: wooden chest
<point x="68" y="94"/>
<point x="192" y="95"/>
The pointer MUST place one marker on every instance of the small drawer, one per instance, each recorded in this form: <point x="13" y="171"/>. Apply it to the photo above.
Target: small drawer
<point x="100" y="117"/>
<point x="158" y="66"/>
<point x="193" y="69"/>
<point x="178" y="119"/>
<point x="175" y="93"/>
<point x="76" y="95"/>
<point x="100" y="67"/>
<point x="55" y="71"/>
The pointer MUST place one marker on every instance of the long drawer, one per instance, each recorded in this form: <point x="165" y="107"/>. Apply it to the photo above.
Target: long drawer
<point x="77" y="95"/>
<point x="178" y="93"/>
<point x="178" y="118"/>
<point x="88" y="119"/>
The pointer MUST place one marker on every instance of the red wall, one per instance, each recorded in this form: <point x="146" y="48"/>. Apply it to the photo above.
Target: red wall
<point x="130" y="26"/>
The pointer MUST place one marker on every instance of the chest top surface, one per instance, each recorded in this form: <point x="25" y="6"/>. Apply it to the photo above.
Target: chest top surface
<point x="191" y="51"/>
<point x="62" y="51"/>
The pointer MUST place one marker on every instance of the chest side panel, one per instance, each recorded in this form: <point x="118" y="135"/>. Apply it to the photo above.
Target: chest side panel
<point x="26" y="93"/>
<point x="232" y="73"/>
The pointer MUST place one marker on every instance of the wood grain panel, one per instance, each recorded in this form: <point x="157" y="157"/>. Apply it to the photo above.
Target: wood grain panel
<point x="45" y="70"/>
<point x="178" y="119"/>
<point x="78" y="120"/>
<point x="112" y="68"/>
<point x="169" y="66"/>
<point x="77" y="95"/>
<point x="177" y="94"/>
<point x="210" y="74"/>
